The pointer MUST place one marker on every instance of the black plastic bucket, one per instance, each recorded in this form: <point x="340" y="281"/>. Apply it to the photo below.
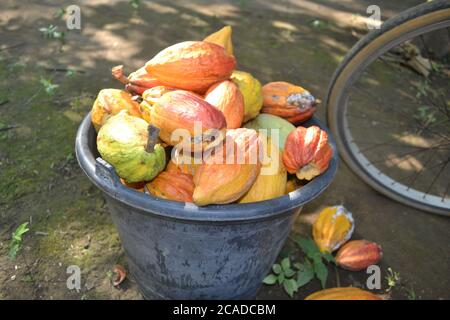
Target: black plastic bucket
<point x="180" y="251"/>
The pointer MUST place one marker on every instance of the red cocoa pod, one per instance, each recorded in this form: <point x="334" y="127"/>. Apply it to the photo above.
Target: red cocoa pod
<point x="357" y="255"/>
<point x="192" y="65"/>
<point x="307" y="152"/>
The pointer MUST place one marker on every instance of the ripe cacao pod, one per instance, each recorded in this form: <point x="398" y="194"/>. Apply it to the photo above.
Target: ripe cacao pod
<point x="333" y="228"/>
<point x="270" y="122"/>
<point x="191" y="65"/>
<point x="110" y="102"/>
<point x="229" y="172"/>
<point x="184" y="163"/>
<point x="250" y="88"/>
<point x="137" y="82"/>
<point x="271" y="181"/>
<point x="343" y="293"/>
<point x="222" y="38"/>
<point x="172" y="185"/>
<point x="357" y="255"/>
<point x="152" y="95"/>
<point x="130" y="145"/>
<point x="227" y="97"/>
<point x="288" y="101"/>
<point x="180" y="109"/>
<point x="307" y="152"/>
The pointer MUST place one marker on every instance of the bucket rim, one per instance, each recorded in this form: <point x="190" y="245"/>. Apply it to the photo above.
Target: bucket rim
<point x="103" y="175"/>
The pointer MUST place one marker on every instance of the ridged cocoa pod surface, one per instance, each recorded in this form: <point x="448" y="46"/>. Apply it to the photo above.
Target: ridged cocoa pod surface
<point x="227" y="97"/>
<point x="192" y="65"/>
<point x="357" y="255"/>
<point x="288" y="101"/>
<point x="307" y="152"/>
<point x="110" y="102"/>
<point x="172" y="185"/>
<point x="333" y="228"/>
<point x="230" y="171"/>
<point x="343" y="293"/>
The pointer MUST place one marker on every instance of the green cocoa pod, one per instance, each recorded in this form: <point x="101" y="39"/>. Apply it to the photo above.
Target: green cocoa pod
<point x="127" y="143"/>
<point x="268" y="122"/>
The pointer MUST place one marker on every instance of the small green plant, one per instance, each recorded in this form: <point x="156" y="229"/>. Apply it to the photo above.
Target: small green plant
<point x="135" y="4"/>
<point x="392" y="278"/>
<point x="410" y="293"/>
<point x="16" y="240"/>
<point x="51" y="32"/>
<point x="426" y="115"/>
<point x="423" y="88"/>
<point x="294" y="275"/>
<point x="49" y="87"/>
<point x="60" y="12"/>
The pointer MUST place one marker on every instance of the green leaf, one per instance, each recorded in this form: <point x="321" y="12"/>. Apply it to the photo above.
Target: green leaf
<point x="285" y="264"/>
<point x="276" y="268"/>
<point x="305" y="274"/>
<point x="328" y="257"/>
<point x="321" y="271"/>
<point x="270" y="279"/>
<point x="289" y="273"/>
<point x="22" y="229"/>
<point x="290" y="286"/>
<point x="281" y="278"/>
<point x="308" y="246"/>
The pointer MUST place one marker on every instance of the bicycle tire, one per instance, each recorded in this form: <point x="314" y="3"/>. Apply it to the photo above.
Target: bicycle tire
<point x="412" y="22"/>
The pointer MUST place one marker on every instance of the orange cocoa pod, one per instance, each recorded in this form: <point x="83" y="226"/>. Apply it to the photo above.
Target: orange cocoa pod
<point x="172" y="185"/>
<point x="228" y="173"/>
<point x="110" y="102"/>
<point x="343" y="293"/>
<point x="152" y="95"/>
<point x="183" y="110"/>
<point x="184" y="163"/>
<point x="307" y="152"/>
<point x="137" y="82"/>
<point x="357" y="255"/>
<point x="227" y="97"/>
<point x="288" y="101"/>
<point x="192" y="65"/>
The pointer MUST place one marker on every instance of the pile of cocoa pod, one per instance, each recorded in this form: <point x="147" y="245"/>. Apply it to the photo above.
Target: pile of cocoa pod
<point x="332" y="232"/>
<point x="229" y="138"/>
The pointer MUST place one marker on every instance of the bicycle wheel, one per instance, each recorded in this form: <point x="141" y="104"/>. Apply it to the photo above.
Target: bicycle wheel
<point x="390" y="128"/>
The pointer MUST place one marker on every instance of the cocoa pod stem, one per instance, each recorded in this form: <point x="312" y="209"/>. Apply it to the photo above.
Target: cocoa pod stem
<point x="153" y="138"/>
<point x="117" y="73"/>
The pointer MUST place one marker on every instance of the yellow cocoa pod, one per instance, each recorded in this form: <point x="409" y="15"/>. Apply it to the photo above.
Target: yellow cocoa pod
<point x="333" y="228"/>
<point x="250" y="88"/>
<point x="271" y="181"/>
<point x="347" y="293"/>
<point x="110" y="102"/>
<point x="222" y="38"/>
<point x="293" y="184"/>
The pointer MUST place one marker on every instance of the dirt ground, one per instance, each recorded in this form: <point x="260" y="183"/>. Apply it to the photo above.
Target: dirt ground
<point x="47" y="86"/>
